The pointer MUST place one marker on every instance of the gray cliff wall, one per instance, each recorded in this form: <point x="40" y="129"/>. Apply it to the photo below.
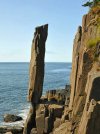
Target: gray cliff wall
<point x="83" y="112"/>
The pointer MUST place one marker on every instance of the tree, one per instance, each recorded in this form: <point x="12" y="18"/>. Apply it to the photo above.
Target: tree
<point x="91" y="3"/>
<point x="88" y="4"/>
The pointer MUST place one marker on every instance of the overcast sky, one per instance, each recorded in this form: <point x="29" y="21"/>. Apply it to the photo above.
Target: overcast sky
<point x="18" y="19"/>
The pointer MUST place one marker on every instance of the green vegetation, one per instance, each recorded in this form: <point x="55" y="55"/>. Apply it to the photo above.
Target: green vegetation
<point x="93" y="42"/>
<point x="98" y="21"/>
<point x="91" y="3"/>
<point x="88" y="4"/>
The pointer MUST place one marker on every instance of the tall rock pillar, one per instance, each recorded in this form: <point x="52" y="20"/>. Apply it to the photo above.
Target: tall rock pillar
<point x="36" y="75"/>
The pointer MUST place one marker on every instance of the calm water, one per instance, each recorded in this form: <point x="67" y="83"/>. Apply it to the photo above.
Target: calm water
<point x="14" y="84"/>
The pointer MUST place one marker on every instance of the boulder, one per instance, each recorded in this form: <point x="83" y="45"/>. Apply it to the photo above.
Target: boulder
<point x="11" y="129"/>
<point x="34" y="131"/>
<point x="12" y="118"/>
<point x="57" y="123"/>
<point x="9" y="133"/>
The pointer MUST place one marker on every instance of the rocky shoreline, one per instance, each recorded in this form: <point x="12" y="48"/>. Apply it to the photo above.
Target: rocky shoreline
<point x="51" y="106"/>
<point x="76" y="109"/>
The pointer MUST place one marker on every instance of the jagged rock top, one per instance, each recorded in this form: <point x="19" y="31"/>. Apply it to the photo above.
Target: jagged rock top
<point x="42" y="31"/>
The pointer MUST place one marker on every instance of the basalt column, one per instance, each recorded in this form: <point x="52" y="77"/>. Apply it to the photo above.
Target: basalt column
<point x="36" y="75"/>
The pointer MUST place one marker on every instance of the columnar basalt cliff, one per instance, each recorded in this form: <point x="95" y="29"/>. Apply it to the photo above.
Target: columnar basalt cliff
<point x="83" y="112"/>
<point x="46" y="111"/>
<point x="75" y="109"/>
<point x="56" y="112"/>
<point x="36" y="75"/>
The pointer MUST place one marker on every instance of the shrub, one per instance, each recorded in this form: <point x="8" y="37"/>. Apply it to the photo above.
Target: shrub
<point x="92" y="4"/>
<point x="93" y="42"/>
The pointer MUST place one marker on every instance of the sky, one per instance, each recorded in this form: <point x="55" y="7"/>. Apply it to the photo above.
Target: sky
<point x="18" y="19"/>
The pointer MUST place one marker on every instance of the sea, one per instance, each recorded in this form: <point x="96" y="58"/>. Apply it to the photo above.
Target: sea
<point x="14" y="78"/>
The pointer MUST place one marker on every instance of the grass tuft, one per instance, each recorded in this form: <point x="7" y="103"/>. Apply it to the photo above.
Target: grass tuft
<point x="93" y="42"/>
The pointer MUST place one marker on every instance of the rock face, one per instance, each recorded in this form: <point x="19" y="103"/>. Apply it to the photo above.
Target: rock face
<point x="83" y="113"/>
<point x="48" y="116"/>
<point x="75" y="62"/>
<point x="37" y="64"/>
<point x="91" y="115"/>
<point x="49" y="112"/>
<point x="58" y="95"/>
<point x="36" y="75"/>
<point x="80" y="113"/>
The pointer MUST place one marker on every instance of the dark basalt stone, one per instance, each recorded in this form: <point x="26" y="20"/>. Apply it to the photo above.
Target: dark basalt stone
<point x="12" y="118"/>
